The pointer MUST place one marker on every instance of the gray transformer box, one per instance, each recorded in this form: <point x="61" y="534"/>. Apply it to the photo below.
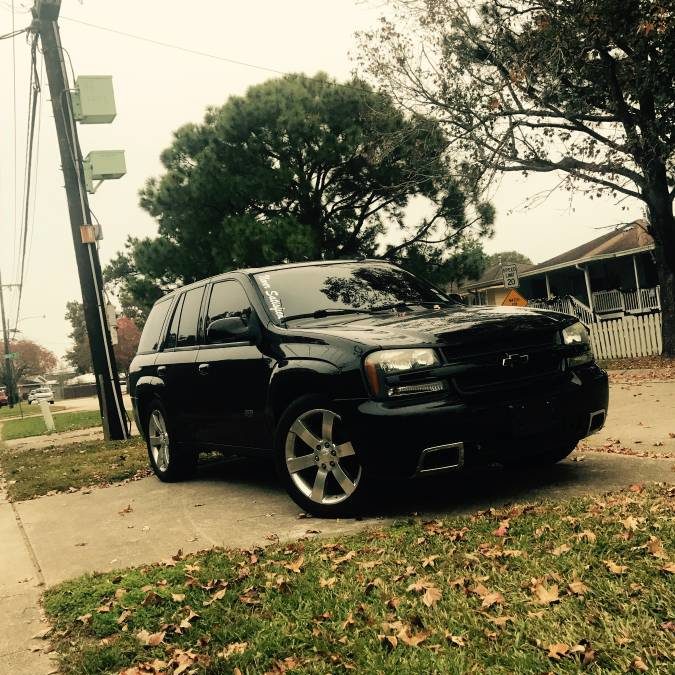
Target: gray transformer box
<point x="93" y="100"/>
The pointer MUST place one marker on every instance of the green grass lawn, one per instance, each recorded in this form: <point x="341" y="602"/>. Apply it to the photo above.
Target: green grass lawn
<point x="580" y="586"/>
<point x="35" y="426"/>
<point x="32" y="473"/>
<point x="6" y="412"/>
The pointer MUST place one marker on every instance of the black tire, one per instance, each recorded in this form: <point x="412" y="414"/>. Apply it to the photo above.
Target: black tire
<point x="333" y="470"/>
<point x="168" y="462"/>
<point x="552" y="456"/>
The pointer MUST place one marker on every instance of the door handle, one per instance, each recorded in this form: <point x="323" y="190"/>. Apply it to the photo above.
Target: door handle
<point x="203" y="368"/>
<point x="161" y="370"/>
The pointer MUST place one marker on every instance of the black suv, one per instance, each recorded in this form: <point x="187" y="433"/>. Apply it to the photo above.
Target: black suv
<point x="345" y="372"/>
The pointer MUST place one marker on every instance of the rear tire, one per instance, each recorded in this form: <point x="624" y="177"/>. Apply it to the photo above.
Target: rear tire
<point x="317" y="462"/>
<point x="168" y="462"/>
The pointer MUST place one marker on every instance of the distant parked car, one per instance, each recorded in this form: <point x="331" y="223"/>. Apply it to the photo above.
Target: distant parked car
<point x="4" y="400"/>
<point x="40" y="394"/>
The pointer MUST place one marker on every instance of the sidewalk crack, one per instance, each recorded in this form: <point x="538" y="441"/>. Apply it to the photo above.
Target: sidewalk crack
<point x="29" y="546"/>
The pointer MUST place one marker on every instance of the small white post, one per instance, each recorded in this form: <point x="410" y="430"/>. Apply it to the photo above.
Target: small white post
<point x="47" y="416"/>
<point x="549" y="295"/>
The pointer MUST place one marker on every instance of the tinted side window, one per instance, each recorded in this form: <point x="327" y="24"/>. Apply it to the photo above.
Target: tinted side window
<point x="172" y="333"/>
<point x="228" y="299"/>
<point x="149" y="341"/>
<point x="189" y="316"/>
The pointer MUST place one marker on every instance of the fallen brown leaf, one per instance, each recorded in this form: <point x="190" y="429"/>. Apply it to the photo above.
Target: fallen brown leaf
<point x="578" y="587"/>
<point x="559" y="550"/>
<point x="556" y="650"/>
<point x="544" y="595"/>
<point x="150" y="639"/>
<point x="655" y="547"/>
<point x="233" y="648"/>
<point x="492" y="599"/>
<point x="638" y="665"/>
<point x="614" y="568"/>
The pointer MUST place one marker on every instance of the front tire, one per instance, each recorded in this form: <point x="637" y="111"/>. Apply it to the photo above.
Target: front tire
<point x="318" y="464"/>
<point x="169" y="463"/>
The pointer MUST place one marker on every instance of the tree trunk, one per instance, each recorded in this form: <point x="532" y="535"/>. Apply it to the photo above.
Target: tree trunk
<point x="662" y="229"/>
<point x="667" y="283"/>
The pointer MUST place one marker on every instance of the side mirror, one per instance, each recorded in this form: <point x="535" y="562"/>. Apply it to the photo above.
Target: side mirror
<point x="228" y="329"/>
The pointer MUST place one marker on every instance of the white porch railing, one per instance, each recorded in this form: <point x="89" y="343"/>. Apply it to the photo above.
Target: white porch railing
<point x="631" y="302"/>
<point x="567" y="305"/>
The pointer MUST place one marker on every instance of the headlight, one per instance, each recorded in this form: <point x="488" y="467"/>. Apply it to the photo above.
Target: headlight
<point x="577" y="334"/>
<point x="379" y="365"/>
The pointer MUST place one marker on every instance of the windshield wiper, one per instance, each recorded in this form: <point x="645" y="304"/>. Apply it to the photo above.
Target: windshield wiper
<point x="322" y="313"/>
<point x="404" y="305"/>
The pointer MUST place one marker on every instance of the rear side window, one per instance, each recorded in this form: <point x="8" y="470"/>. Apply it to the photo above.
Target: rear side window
<point x="149" y="341"/>
<point x="172" y="333"/>
<point x="188" y="327"/>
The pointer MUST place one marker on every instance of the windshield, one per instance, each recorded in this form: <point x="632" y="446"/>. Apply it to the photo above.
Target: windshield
<point x="367" y="286"/>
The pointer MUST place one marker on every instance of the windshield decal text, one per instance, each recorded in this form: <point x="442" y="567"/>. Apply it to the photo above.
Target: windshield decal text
<point x="273" y="299"/>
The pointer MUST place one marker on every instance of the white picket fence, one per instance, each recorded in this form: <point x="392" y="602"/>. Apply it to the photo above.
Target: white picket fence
<point x="626" y="337"/>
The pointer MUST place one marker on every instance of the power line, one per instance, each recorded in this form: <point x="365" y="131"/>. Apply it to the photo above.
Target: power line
<point x="209" y="55"/>
<point x="14" y="33"/>
<point x="14" y="125"/>
<point x="37" y="175"/>
<point x="32" y="116"/>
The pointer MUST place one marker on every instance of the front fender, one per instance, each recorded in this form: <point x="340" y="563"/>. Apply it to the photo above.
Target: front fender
<point x="303" y="376"/>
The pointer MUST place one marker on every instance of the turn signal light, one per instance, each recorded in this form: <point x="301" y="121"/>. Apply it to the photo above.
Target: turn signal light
<point x="418" y="388"/>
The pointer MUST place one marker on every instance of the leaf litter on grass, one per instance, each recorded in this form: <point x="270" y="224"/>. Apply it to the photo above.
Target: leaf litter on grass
<point x="316" y="606"/>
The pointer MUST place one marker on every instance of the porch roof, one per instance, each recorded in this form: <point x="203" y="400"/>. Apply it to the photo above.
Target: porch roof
<point x="626" y="240"/>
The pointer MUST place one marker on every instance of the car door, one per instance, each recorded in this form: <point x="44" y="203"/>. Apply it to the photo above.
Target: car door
<point x="176" y="363"/>
<point x="234" y="376"/>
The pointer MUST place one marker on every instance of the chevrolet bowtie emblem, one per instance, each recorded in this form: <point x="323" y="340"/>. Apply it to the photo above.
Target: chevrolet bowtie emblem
<point x="513" y="360"/>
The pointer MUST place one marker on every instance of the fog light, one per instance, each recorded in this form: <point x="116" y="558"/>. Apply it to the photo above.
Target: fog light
<point x="418" y="388"/>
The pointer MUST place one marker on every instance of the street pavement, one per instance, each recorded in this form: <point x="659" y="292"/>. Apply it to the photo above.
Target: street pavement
<point x="238" y="503"/>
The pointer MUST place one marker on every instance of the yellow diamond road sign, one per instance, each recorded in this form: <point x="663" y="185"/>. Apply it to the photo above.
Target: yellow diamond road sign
<point x="514" y="299"/>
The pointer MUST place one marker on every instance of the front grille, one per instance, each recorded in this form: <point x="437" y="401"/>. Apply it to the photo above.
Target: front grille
<point x="487" y="372"/>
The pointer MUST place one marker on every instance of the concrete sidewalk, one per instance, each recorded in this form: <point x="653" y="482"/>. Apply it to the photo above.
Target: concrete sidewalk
<point x="21" y="585"/>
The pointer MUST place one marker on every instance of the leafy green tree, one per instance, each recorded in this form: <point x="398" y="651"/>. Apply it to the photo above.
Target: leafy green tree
<point x="297" y="169"/>
<point x="79" y="355"/>
<point x="507" y="257"/>
<point x="583" y="88"/>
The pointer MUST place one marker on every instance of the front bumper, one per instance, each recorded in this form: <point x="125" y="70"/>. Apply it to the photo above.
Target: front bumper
<point x="394" y="437"/>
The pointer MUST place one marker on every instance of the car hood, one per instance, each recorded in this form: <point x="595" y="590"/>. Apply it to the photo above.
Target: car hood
<point x="458" y="326"/>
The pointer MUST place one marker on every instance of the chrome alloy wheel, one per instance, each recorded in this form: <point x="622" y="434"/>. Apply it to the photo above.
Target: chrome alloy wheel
<point x="159" y="440"/>
<point x="321" y="463"/>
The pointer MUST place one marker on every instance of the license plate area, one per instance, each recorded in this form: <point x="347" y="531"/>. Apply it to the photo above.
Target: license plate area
<point x="532" y="417"/>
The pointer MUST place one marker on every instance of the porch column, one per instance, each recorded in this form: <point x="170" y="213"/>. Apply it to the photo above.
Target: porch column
<point x="589" y="293"/>
<point x="637" y="283"/>
<point x="549" y="295"/>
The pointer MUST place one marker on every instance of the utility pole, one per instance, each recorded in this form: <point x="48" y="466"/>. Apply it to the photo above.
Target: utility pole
<point x="45" y="18"/>
<point x="9" y="375"/>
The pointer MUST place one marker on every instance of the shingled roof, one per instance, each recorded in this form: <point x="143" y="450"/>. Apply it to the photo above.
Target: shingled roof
<point x="621" y="240"/>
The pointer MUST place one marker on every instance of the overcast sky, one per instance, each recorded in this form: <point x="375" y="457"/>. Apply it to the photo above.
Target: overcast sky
<point x="158" y="89"/>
